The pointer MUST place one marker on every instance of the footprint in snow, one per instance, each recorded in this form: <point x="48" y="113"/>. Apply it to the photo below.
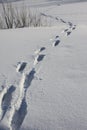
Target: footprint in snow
<point x="62" y="21"/>
<point x="38" y="58"/>
<point x="65" y="30"/>
<point x="70" y="24"/>
<point x="21" y="67"/>
<point x="74" y="27"/>
<point x="40" y="50"/>
<point x="19" y="115"/>
<point x="68" y="33"/>
<point x="56" y="18"/>
<point x="56" y="41"/>
<point x="6" y="101"/>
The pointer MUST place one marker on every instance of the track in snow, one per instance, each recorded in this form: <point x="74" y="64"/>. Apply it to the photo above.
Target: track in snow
<point x="21" y="66"/>
<point x="17" y="110"/>
<point x="6" y="101"/>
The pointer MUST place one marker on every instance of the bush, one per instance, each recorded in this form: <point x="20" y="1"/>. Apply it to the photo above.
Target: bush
<point x="13" y="17"/>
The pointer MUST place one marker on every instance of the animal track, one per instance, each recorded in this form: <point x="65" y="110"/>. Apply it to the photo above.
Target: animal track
<point x="19" y="115"/>
<point x="62" y="21"/>
<point x="42" y="49"/>
<point x="70" y="24"/>
<point x="2" y="93"/>
<point x="68" y="33"/>
<point x="38" y="58"/>
<point x="6" y="101"/>
<point x="21" y="67"/>
<point x="56" y="41"/>
<point x="17" y="110"/>
<point x="65" y="30"/>
<point x="29" y="78"/>
<point x="74" y="27"/>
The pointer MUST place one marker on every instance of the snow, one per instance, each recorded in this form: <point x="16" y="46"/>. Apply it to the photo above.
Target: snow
<point x="47" y="67"/>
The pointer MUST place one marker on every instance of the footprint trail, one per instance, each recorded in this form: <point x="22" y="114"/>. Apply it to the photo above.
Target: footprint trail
<point x="16" y="109"/>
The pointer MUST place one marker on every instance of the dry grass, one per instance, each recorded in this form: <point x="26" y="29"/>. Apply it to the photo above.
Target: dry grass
<point x="13" y="17"/>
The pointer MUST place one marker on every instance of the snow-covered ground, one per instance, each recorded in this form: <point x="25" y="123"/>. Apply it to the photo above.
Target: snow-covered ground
<point x="43" y="72"/>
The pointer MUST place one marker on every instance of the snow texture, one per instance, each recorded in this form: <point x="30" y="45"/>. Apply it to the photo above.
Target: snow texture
<point x="43" y="78"/>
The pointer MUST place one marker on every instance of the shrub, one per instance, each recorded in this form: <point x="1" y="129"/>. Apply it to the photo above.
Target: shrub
<point x="14" y="17"/>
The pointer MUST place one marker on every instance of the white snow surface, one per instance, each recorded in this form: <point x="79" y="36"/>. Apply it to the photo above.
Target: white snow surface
<point x="43" y="72"/>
